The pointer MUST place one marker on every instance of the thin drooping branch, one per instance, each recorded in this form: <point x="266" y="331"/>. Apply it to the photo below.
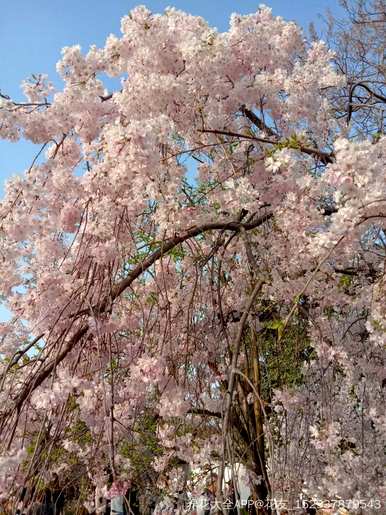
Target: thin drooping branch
<point x="120" y="287"/>
<point x="18" y="355"/>
<point x="49" y="367"/>
<point x="232" y="377"/>
<point x="192" y="232"/>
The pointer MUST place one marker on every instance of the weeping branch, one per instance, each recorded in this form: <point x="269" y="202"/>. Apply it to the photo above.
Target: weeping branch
<point x="117" y="290"/>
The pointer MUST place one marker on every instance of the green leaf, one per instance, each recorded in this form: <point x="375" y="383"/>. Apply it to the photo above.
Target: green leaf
<point x="274" y="324"/>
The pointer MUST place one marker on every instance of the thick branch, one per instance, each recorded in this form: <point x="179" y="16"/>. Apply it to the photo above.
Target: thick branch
<point x="180" y="238"/>
<point x="232" y="377"/>
<point x="49" y="367"/>
<point x="351" y="94"/>
<point x="252" y="117"/>
<point x="325" y="157"/>
<point x="120" y="287"/>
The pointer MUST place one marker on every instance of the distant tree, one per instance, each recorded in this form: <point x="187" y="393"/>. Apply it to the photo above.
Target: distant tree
<point x="359" y="40"/>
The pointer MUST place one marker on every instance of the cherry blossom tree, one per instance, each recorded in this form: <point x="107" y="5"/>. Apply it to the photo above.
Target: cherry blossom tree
<point x="195" y="265"/>
<point x="359" y="40"/>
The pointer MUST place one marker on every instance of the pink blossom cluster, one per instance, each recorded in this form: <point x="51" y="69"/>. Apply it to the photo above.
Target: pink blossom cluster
<point x="128" y="277"/>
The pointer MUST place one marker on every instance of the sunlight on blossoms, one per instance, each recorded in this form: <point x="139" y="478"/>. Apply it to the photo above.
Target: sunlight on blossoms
<point x="194" y="268"/>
